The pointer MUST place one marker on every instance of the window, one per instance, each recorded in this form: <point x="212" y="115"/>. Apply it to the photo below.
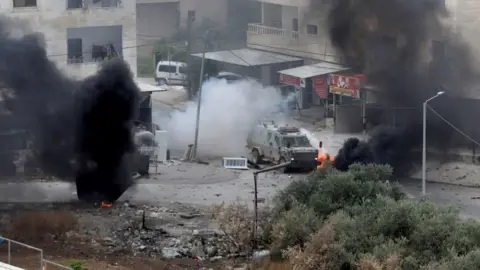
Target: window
<point x="168" y="69"/>
<point x="24" y="3"/>
<point x="296" y="141"/>
<point x="75" y="50"/>
<point x="75" y="4"/>
<point x="183" y="70"/>
<point x="312" y="29"/>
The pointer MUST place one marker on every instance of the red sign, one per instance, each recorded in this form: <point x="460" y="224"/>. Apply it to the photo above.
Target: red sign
<point x="346" y="85"/>
<point x="290" y="80"/>
<point x="320" y="86"/>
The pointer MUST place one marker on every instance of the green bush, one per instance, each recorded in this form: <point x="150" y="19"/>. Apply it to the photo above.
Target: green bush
<point x="294" y="227"/>
<point x="76" y="265"/>
<point x="375" y="226"/>
<point x="470" y="261"/>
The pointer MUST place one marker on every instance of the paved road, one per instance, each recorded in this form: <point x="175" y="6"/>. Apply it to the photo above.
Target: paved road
<point x="466" y="199"/>
<point x="206" y="185"/>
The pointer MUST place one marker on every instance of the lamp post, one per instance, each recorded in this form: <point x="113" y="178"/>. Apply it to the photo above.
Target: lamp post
<point x="199" y="97"/>
<point x="424" y="147"/>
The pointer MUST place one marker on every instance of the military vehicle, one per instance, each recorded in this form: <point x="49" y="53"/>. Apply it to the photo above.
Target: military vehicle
<point x="279" y="144"/>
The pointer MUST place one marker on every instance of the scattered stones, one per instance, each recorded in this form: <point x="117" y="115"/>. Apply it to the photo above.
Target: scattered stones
<point x="161" y="231"/>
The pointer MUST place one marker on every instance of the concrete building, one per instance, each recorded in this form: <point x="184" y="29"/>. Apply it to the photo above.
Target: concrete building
<point x="80" y="33"/>
<point x="158" y="19"/>
<point x="288" y="27"/>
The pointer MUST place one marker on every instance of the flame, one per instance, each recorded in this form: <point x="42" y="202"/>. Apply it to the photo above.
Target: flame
<point x="106" y="204"/>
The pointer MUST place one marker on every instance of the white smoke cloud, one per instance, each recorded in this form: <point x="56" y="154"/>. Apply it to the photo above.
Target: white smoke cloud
<point x="228" y="113"/>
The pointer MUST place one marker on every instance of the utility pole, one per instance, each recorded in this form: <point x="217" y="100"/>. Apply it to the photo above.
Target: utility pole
<point x="199" y="96"/>
<point x="190" y="20"/>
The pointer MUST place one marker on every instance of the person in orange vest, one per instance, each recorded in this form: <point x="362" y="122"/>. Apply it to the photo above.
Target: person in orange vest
<point x="322" y="157"/>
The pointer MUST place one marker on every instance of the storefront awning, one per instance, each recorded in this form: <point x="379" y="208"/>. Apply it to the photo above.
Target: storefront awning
<point x="309" y="71"/>
<point x="248" y="57"/>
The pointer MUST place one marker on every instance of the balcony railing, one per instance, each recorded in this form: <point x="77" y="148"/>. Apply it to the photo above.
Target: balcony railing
<point x="272" y="31"/>
<point x="74" y="4"/>
<point x="292" y="43"/>
<point x="89" y="59"/>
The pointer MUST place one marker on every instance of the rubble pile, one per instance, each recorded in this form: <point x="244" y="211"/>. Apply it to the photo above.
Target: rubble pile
<point x="161" y="231"/>
<point x="176" y="231"/>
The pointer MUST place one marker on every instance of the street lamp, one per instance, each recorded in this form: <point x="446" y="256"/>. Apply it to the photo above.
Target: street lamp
<point x="424" y="149"/>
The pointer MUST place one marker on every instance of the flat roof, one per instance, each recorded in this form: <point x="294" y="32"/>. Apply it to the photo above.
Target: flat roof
<point x="145" y="87"/>
<point x="248" y="57"/>
<point x="313" y="70"/>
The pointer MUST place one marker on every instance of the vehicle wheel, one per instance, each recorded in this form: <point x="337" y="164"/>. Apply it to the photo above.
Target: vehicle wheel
<point x="256" y="159"/>
<point x="281" y="161"/>
<point x="162" y="81"/>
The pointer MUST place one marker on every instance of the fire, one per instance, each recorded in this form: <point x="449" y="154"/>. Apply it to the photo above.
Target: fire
<point x="106" y="204"/>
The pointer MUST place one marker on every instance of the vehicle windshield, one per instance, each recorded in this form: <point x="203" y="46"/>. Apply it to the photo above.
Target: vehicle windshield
<point x="300" y="141"/>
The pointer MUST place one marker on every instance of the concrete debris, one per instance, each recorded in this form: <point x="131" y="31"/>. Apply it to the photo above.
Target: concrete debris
<point x="162" y="231"/>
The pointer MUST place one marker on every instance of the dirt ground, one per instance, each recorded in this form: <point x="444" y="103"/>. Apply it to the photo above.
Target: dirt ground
<point x="100" y="237"/>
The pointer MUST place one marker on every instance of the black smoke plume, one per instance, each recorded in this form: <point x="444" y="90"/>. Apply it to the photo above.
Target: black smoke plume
<point x="408" y="54"/>
<point x="78" y="130"/>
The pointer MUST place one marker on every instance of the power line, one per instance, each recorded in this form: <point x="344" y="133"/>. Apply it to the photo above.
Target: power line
<point x="243" y="60"/>
<point x="454" y="127"/>
<point x="123" y="48"/>
<point x="294" y="50"/>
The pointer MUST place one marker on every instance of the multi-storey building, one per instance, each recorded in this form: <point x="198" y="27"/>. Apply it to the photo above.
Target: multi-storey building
<point x="158" y="19"/>
<point x="80" y="33"/>
<point x="289" y="27"/>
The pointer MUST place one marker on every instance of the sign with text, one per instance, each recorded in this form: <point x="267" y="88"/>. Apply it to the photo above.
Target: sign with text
<point x="289" y="80"/>
<point x="321" y="86"/>
<point x="346" y="85"/>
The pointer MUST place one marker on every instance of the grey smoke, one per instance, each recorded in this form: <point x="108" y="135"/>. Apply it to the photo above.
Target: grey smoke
<point x="228" y="113"/>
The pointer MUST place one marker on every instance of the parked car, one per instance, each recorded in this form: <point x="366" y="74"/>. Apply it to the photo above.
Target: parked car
<point x="231" y="77"/>
<point x="171" y="73"/>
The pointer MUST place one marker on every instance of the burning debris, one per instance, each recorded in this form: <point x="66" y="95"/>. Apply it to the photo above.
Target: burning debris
<point x="401" y="48"/>
<point x="79" y="130"/>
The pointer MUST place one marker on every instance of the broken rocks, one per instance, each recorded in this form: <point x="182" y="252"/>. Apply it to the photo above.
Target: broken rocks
<point x="159" y="231"/>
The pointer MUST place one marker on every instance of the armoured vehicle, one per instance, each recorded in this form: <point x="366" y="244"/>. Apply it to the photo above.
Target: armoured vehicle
<point x="280" y="144"/>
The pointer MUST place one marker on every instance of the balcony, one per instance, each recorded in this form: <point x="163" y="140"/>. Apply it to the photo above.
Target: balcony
<point x="89" y="4"/>
<point x="292" y="43"/>
<point x="90" y="45"/>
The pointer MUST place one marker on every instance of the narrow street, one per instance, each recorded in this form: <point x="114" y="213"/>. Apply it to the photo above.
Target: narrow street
<point x="466" y="199"/>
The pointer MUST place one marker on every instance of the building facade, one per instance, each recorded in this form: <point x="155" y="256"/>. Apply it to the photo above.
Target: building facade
<point x="157" y="19"/>
<point x="80" y="33"/>
<point x="290" y="27"/>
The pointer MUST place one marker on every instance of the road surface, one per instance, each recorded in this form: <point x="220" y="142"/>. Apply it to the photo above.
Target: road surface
<point x="206" y="185"/>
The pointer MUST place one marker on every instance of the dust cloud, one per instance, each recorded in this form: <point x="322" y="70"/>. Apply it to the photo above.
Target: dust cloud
<point x="228" y="113"/>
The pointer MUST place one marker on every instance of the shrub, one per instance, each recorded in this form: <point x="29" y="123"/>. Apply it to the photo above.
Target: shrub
<point x="469" y="261"/>
<point x="294" y="227"/>
<point x="321" y="251"/>
<point x="76" y="265"/>
<point x="340" y="190"/>
<point x="358" y="219"/>
<point x="420" y="232"/>
<point x="236" y="221"/>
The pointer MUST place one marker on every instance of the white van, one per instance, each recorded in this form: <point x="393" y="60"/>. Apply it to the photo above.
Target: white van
<point x="170" y="72"/>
